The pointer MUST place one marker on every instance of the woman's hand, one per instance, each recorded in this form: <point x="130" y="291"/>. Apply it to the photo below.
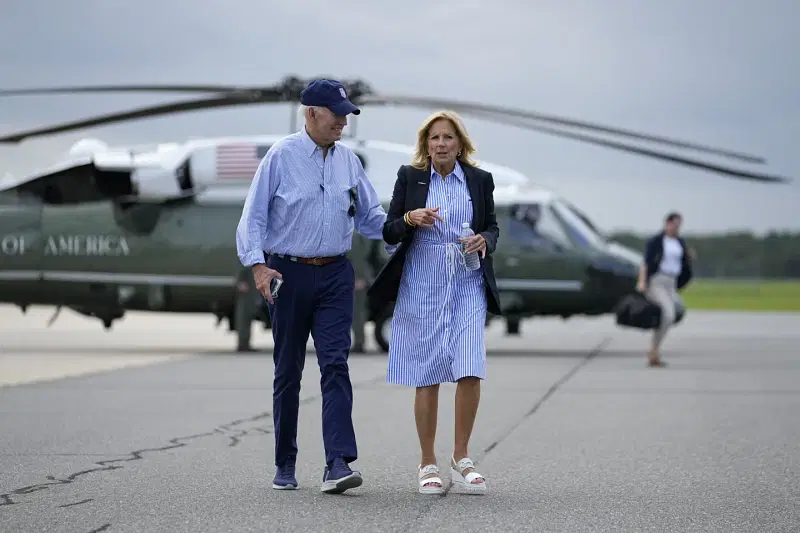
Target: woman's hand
<point x="475" y="243"/>
<point x="641" y="286"/>
<point x="425" y="216"/>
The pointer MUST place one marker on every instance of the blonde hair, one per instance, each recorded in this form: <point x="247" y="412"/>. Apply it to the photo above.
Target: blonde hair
<point x="422" y="158"/>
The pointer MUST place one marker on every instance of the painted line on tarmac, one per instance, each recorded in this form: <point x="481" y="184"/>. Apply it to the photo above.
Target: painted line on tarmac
<point x="18" y="370"/>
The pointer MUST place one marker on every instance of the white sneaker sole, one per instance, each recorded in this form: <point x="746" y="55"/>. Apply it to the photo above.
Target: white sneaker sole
<point x="337" y="486"/>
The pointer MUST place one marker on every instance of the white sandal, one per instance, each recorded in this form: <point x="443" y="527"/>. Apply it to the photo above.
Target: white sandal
<point x="467" y="483"/>
<point x="425" y="486"/>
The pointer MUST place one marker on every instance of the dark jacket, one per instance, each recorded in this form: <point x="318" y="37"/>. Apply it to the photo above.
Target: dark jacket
<point x="411" y="192"/>
<point x="654" y="251"/>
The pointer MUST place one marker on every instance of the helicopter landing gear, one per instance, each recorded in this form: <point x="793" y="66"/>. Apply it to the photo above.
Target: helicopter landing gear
<point x="512" y="326"/>
<point x="242" y="323"/>
<point x="108" y="317"/>
<point x="242" y="318"/>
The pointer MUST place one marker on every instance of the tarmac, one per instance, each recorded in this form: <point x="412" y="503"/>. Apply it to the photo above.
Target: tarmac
<point x="158" y="426"/>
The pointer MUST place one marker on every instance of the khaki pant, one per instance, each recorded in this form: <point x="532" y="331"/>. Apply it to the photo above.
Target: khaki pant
<point x="662" y="291"/>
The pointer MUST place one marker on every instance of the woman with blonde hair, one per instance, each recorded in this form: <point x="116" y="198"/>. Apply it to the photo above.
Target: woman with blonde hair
<point x="441" y="304"/>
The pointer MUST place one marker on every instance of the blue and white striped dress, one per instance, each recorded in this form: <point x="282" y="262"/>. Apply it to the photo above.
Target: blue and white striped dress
<point x="440" y="313"/>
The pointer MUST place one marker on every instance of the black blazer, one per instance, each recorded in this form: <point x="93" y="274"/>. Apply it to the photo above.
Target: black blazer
<point x="654" y="251"/>
<point x="411" y="192"/>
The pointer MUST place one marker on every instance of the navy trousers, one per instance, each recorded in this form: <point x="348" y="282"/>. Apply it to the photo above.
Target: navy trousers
<point x="316" y="300"/>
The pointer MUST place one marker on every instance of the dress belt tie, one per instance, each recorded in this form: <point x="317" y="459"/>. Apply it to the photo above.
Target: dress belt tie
<point x="453" y="255"/>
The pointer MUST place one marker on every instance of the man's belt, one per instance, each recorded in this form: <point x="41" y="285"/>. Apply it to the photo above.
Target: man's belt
<point x="316" y="261"/>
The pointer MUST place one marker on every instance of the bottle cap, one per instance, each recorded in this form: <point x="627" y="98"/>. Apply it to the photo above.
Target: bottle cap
<point x="465" y="225"/>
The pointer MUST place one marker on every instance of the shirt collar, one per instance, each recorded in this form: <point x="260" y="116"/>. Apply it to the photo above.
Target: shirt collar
<point x="458" y="172"/>
<point x="309" y="144"/>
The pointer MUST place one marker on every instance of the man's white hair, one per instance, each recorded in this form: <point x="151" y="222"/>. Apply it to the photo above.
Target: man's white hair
<point x="301" y="113"/>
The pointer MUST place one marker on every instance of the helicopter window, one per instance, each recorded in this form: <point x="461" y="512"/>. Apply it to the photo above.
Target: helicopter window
<point x="584" y="218"/>
<point x="579" y="224"/>
<point x="535" y="226"/>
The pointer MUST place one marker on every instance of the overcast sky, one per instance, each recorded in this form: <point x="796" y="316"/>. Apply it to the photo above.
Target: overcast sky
<point x="719" y="72"/>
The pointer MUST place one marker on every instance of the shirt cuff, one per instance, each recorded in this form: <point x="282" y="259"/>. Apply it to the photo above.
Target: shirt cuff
<point x="252" y="258"/>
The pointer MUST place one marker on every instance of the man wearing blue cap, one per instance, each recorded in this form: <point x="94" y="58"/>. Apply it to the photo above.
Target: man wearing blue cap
<point x="308" y="195"/>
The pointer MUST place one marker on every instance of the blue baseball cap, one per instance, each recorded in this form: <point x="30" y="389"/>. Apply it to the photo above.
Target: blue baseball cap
<point x="330" y="94"/>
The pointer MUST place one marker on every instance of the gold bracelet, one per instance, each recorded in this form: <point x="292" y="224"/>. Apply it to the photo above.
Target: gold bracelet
<point x="407" y="219"/>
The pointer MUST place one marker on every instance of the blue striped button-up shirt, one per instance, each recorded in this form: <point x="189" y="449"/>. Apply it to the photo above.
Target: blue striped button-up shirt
<point x="298" y="203"/>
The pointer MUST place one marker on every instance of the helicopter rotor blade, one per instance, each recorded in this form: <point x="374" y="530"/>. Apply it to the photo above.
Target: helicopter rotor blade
<point x="695" y="163"/>
<point x="290" y="87"/>
<point x="521" y="113"/>
<point x="122" y="88"/>
<point x="289" y="91"/>
<point x="227" y="100"/>
<point x="361" y="93"/>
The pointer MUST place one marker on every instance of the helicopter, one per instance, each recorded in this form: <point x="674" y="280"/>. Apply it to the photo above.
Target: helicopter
<point x="150" y="228"/>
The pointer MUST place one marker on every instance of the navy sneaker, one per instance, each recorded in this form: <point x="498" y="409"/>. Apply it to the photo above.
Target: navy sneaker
<point x="284" y="478"/>
<point x="338" y="477"/>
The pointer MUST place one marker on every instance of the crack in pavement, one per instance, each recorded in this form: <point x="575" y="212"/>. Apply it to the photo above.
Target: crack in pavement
<point x="73" y="504"/>
<point x="552" y="390"/>
<point x="594" y="352"/>
<point x="7" y="499"/>
<point x="235" y="434"/>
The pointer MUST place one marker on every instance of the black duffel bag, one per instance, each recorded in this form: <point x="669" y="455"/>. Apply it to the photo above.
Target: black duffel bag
<point x="636" y="311"/>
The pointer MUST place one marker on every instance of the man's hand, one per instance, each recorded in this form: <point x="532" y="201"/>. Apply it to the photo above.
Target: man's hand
<point x="360" y="284"/>
<point x="425" y="216"/>
<point x="475" y="243"/>
<point x="263" y="276"/>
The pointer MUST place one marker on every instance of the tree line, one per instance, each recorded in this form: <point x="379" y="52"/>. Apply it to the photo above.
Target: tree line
<point x="776" y="255"/>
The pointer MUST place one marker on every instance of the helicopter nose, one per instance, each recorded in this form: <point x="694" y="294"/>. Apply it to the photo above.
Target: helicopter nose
<point x="615" y="265"/>
<point x="609" y="274"/>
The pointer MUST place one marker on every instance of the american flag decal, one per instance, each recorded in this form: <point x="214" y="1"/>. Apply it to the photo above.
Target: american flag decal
<point x="239" y="161"/>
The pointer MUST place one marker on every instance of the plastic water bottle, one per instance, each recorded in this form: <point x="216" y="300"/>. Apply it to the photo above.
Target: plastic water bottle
<point x="471" y="259"/>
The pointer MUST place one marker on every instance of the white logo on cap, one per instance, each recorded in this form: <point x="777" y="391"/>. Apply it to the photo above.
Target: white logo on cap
<point x="341" y="91"/>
